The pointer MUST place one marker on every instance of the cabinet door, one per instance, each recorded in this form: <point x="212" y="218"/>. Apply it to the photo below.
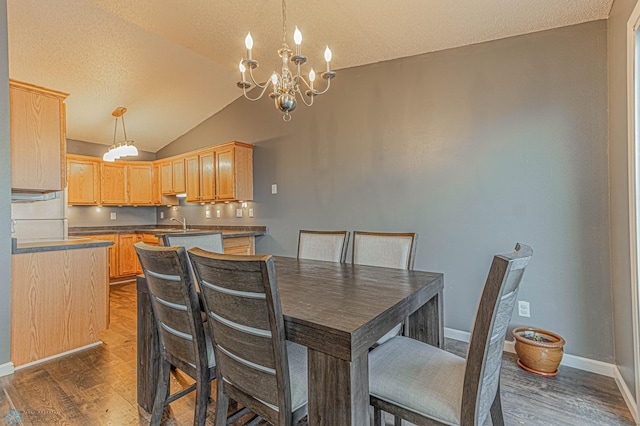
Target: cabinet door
<point x="156" y="187"/>
<point x="179" y="185"/>
<point x="193" y="178"/>
<point x="207" y="176"/>
<point x="113" y="251"/>
<point x="140" y="184"/>
<point x="128" y="263"/>
<point x="112" y="183"/>
<point x="83" y="182"/>
<point x="224" y="173"/>
<point x="38" y="144"/>
<point x="239" y="245"/>
<point x="167" y="178"/>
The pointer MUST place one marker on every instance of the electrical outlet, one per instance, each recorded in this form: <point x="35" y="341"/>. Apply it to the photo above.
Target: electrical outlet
<point x="250" y="212"/>
<point x="113" y="215"/>
<point x="238" y="212"/>
<point x="274" y="188"/>
<point x="523" y="309"/>
<point x="207" y="214"/>
<point x="161" y="215"/>
<point x="218" y="214"/>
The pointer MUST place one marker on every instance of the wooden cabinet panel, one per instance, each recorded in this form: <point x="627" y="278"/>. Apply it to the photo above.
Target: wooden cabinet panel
<point x="83" y="180"/>
<point x="234" y="172"/>
<point x="128" y="263"/>
<point x="139" y="183"/>
<point x="207" y="176"/>
<point x="38" y="139"/>
<point x="192" y="164"/>
<point x="239" y="245"/>
<point x="150" y="239"/>
<point x="112" y="184"/>
<point x="166" y="169"/>
<point x="156" y="187"/>
<point x="59" y="302"/>
<point x="179" y="184"/>
<point x="113" y="251"/>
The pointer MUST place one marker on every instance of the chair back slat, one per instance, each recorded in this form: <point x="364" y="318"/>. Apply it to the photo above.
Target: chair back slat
<point x="210" y="241"/>
<point x="484" y="357"/>
<point x="329" y="246"/>
<point x="175" y="304"/>
<point x="245" y="317"/>
<point x="387" y="250"/>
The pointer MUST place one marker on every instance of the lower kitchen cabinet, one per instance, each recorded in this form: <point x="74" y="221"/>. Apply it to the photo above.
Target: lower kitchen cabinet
<point x="239" y="245"/>
<point x="113" y="251"/>
<point x="128" y="263"/>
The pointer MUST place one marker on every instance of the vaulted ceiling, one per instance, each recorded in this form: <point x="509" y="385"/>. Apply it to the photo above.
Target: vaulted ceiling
<point x="174" y="63"/>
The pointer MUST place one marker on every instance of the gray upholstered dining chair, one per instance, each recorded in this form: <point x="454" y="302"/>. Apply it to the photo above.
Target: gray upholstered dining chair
<point x="387" y="250"/>
<point x="183" y="340"/>
<point x="257" y="366"/>
<point x="329" y="246"/>
<point x="427" y="385"/>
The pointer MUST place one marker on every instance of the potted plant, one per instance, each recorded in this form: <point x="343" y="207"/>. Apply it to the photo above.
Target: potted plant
<point x="539" y="351"/>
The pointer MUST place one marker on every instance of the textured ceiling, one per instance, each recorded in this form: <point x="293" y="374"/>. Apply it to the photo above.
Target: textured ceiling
<point x="174" y="63"/>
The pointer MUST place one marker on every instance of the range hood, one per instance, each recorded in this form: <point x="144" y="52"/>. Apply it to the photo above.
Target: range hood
<point x="28" y="197"/>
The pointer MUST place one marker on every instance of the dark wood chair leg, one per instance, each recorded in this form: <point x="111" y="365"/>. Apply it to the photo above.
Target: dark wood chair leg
<point x="496" y="410"/>
<point x="378" y="417"/>
<point x="203" y="391"/>
<point x="162" y="392"/>
<point x="222" y="403"/>
<point x="397" y="421"/>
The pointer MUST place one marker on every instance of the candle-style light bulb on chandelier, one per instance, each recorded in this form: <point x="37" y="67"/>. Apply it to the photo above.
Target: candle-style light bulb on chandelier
<point x="286" y="85"/>
<point x="126" y="148"/>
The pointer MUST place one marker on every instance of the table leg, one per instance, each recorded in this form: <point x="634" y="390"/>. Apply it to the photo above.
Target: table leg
<point x="148" y="351"/>
<point x="427" y="323"/>
<point x="338" y="390"/>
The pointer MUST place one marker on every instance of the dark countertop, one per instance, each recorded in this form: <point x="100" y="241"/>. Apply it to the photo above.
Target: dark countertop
<point x="36" y="246"/>
<point x="159" y="230"/>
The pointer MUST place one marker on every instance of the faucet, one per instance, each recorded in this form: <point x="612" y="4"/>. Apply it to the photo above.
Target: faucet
<point x="183" y="222"/>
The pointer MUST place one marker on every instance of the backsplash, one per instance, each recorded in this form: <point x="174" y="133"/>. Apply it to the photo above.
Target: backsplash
<point x="101" y="216"/>
<point x="196" y="214"/>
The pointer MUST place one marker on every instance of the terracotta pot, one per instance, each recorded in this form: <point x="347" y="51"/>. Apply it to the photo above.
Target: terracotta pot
<point x="542" y="355"/>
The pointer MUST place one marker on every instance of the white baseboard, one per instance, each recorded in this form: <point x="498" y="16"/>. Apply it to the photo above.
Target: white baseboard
<point x="49" y="358"/>
<point x="6" y="369"/>
<point x="628" y="396"/>
<point x="568" y="360"/>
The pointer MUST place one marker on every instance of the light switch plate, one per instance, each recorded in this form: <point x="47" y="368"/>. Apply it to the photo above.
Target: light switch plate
<point x="113" y="215"/>
<point x="161" y="215"/>
<point x="238" y="212"/>
<point x="274" y="188"/>
<point x="218" y="214"/>
<point x="207" y="214"/>
<point x="250" y="212"/>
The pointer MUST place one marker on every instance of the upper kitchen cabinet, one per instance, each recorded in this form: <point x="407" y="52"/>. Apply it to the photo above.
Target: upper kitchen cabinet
<point x="140" y="183"/>
<point x="200" y="176"/>
<point x="234" y="171"/>
<point x="38" y="138"/>
<point x="179" y="181"/>
<point x="113" y="184"/>
<point x="83" y="180"/>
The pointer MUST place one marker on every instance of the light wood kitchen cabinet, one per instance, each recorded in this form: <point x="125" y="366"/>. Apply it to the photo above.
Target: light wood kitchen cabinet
<point x="139" y="178"/>
<point x="179" y="181"/>
<point x="128" y="263"/>
<point x="239" y="245"/>
<point x="156" y="187"/>
<point x="200" y="176"/>
<point x="166" y="170"/>
<point x="112" y="184"/>
<point x="150" y="239"/>
<point x="234" y="171"/>
<point x="83" y="180"/>
<point x="38" y="138"/>
<point x="113" y="251"/>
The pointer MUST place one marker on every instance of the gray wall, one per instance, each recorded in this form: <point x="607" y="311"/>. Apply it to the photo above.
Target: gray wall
<point x="475" y="149"/>
<point x="5" y="193"/>
<point x="619" y="187"/>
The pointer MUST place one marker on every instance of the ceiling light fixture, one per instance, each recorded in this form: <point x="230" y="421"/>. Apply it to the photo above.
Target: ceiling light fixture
<point x="126" y="148"/>
<point x="286" y="85"/>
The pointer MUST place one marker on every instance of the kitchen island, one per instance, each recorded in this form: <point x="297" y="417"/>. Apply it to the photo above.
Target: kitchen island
<point x="59" y="297"/>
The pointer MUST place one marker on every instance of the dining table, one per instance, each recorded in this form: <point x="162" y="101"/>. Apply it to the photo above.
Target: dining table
<point x="338" y="311"/>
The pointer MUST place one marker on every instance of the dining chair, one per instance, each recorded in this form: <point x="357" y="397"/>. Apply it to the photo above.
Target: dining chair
<point x="427" y="385"/>
<point x="330" y="246"/>
<point x="257" y="366"/>
<point x="387" y="250"/>
<point x="183" y="340"/>
<point x="210" y="241"/>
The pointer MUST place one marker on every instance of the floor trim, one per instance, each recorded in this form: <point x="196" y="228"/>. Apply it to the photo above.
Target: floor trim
<point x="627" y="395"/>
<point x="49" y="358"/>
<point x="6" y="369"/>
<point x="568" y="360"/>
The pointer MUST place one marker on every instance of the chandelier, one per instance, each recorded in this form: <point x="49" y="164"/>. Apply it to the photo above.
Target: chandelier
<point x="286" y="85"/>
<point x="124" y="148"/>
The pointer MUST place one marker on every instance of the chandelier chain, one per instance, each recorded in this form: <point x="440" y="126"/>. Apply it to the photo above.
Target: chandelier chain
<point x="284" y="21"/>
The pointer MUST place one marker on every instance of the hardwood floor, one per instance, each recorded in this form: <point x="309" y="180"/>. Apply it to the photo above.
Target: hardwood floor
<point x="97" y="386"/>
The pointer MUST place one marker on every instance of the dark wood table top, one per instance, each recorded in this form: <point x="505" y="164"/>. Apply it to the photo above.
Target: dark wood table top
<point x="342" y="309"/>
